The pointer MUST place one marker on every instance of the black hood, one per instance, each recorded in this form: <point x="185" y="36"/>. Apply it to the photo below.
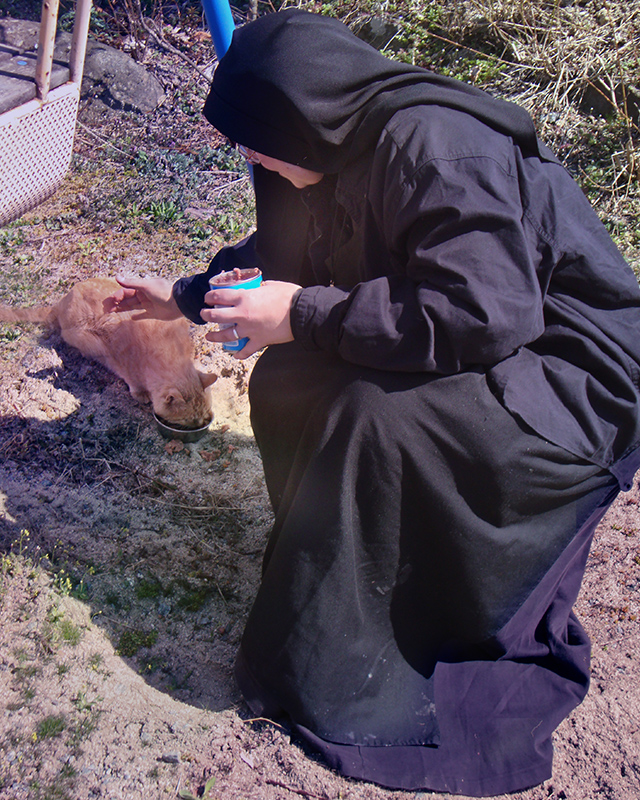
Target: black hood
<point x="304" y="89"/>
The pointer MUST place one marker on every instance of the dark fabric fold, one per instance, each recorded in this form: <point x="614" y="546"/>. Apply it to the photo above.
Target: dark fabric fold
<point x="418" y="626"/>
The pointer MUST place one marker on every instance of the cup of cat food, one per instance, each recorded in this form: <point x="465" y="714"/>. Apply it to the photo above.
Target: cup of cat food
<point x="248" y="278"/>
<point x="171" y="430"/>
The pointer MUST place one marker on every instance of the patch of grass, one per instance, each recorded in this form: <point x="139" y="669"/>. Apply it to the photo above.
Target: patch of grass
<point x="22" y="277"/>
<point x="195" y="597"/>
<point x="95" y="661"/>
<point x="70" y="633"/>
<point x="26" y="672"/>
<point x="133" y="640"/>
<point x="88" y="719"/>
<point x="21" y="654"/>
<point x="114" y="599"/>
<point x="149" y="589"/>
<point x="51" y="726"/>
<point x="59" y="789"/>
<point x="474" y="69"/>
<point x="58" y="629"/>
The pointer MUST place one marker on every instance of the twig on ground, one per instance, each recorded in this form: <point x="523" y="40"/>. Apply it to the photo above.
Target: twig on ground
<point x="10" y="441"/>
<point x="265" y="719"/>
<point x="160" y="40"/>
<point x="102" y="139"/>
<point x="301" y="792"/>
<point x="224" y="186"/>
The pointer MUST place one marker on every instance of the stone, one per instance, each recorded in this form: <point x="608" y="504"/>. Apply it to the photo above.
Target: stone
<point x="379" y="32"/>
<point x="109" y="74"/>
<point x="119" y="81"/>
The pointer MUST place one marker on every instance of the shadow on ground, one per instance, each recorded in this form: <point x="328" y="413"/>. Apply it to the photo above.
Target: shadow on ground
<point x="164" y="547"/>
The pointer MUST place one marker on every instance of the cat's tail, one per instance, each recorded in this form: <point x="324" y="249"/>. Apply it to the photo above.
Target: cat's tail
<point x="44" y="315"/>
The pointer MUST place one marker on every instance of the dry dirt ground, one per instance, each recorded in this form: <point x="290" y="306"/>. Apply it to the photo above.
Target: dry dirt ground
<point x="127" y="572"/>
<point x="128" y="569"/>
<point x="128" y="566"/>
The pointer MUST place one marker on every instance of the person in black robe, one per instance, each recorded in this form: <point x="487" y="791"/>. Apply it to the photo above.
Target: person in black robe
<point x="447" y="405"/>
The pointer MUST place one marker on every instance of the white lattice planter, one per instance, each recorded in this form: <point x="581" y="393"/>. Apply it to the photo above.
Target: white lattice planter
<point x="36" y="138"/>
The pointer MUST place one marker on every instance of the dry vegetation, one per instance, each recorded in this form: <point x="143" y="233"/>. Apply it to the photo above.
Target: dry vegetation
<point x="127" y="564"/>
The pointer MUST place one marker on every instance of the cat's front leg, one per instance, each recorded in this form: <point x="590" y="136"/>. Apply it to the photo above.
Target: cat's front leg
<point x="140" y="394"/>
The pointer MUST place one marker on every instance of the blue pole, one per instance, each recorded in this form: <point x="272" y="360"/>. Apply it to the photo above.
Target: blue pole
<point x="221" y="24"/>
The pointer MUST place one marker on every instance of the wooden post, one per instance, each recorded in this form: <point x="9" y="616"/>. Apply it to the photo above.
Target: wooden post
<point x="46" y="43"/>
<point x="79" y="40"/>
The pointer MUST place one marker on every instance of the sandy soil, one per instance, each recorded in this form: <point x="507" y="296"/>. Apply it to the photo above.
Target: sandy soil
<point x="121" y="618"/>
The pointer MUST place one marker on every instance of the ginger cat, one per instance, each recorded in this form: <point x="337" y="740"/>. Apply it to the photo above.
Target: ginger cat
<point x="154" y="358"/>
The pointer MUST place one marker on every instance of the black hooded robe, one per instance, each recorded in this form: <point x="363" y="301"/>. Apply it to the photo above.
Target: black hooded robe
<point x="457" y="411"/>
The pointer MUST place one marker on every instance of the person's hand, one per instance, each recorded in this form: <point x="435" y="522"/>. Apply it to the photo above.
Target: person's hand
<point x="261" y="315"/>
<point x="152" y="296"/>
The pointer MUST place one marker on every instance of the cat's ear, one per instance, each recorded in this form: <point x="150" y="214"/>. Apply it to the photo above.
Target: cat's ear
<point x="207" y="378"/>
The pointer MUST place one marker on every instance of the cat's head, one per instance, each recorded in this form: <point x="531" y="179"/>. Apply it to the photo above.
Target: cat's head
<point x="187" y="404"/>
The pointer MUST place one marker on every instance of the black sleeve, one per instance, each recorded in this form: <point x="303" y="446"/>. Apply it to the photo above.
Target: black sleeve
<point x="278" y="247"/>
<point x="469" y="293"/>
<point x="189" y="292"/>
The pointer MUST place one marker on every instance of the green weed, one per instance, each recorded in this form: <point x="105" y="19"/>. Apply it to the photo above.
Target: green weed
<point x="149" y="589"/>
<point x="9" y="334"/>
<point x="58" y="629"/>
<point x="89" y="716"/>
<point x="51" y="726"/>
<point x="186" y="795"/>
<point x="95" y="661"/>
<point x="163" y="212"/>
<point x="132" y="640"/>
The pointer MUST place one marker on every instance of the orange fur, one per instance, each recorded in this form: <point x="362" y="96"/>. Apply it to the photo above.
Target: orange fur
<point x="154" y="358"/>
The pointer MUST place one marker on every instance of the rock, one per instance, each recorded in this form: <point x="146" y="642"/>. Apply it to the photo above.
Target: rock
<point x="146" y="737"/>
<point x="118" y="80"/>
<point x="19" y="34"/>
<point x="379" y="32"/>
<point x="110" y="75"/>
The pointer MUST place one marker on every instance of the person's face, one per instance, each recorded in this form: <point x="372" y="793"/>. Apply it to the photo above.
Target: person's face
<point x="298" y="176"/>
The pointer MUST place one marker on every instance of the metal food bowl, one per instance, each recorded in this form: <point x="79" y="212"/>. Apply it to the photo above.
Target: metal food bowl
<point x="180" y="433"/>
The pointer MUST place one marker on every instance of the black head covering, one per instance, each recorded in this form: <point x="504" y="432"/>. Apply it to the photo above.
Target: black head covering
<point x="304" y="89"/>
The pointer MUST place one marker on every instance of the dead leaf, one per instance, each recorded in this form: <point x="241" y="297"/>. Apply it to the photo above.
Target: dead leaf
<point x="209" y="455"/>
<point x="174" y="446"/>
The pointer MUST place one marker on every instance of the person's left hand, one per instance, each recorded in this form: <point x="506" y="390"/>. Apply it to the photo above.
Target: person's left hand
<point x="262" y="315"/>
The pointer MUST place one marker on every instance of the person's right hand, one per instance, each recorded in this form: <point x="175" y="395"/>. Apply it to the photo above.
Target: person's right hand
<point x="152" y="296"/>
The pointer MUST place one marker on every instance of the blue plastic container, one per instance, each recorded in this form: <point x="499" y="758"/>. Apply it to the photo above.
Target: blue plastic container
<point x="250" y="278"/>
